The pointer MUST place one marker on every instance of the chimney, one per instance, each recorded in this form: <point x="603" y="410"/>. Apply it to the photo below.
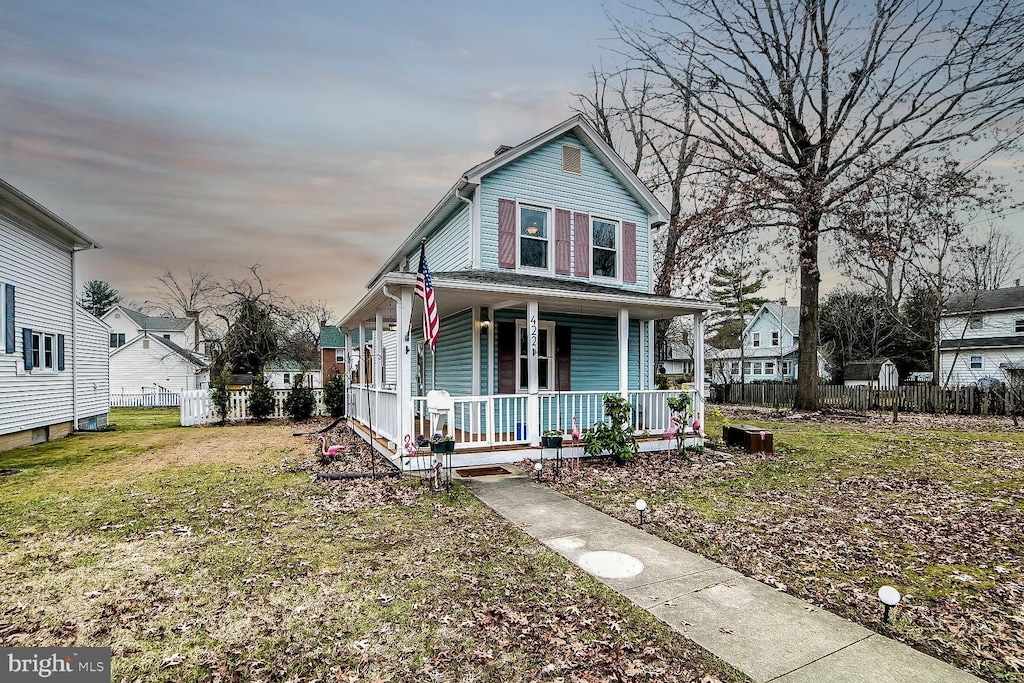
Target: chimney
<point x="782" y="301"/>
<point x="323" y="322"/>
<point x="195" y="327"/>
<point x="501" y="149"/>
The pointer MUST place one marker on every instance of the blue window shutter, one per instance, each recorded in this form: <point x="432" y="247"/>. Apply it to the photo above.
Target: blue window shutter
<point x="26" y="346"/>
<point x="9" y="317"/>
<point x="60" y="351"/>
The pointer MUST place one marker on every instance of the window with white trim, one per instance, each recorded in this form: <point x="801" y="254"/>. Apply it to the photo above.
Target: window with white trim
<point x="755" y="339"/>
<point x="545" y="341"/>
<point x="975" y="322"/>
<point x="1018" y="325"/>
<point x="339" y="355"/>
<point x="775" y="337"/>
<point x="44" y="351"/>
<point x="534" y="231"/>
<point x="116" y="340"/>
<point x="287" y="378"/>
<point x="977" y="362"/>
<point x="604" y="249"/>
<point x="757" y="368"/>
<point x="769" y="368"/>
<point x="734" y="368"/>
<point x="786" y="366"/>
<point x="746" y="367"/>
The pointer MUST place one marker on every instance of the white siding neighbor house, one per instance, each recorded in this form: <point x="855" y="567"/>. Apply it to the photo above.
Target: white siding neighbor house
<point x="981" y="338"/>
<point x="281" y="374"/>
<point x="876" y="373"/>
<point x="51" y="377"/>
<point x="151" y="354"/>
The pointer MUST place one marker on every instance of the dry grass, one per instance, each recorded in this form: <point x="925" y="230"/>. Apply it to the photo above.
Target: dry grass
<point x="210" y="555"/>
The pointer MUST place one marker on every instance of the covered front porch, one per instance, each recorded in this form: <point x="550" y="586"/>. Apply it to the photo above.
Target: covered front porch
<point x="516" y="358"/>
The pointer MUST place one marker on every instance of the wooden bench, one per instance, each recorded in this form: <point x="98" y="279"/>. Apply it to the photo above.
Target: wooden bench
<point x="753" y="439"/>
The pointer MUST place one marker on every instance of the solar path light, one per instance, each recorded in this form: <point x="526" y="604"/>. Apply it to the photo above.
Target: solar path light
<point x="538" y="468"/>
<point x="890" y="597"/>
<point x="641" y="506"/>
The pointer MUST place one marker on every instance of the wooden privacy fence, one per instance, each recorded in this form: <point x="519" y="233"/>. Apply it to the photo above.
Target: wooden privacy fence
<point x="911" y="398"/>
<point x="196" y="407"/>
<point x="145" y="399"/>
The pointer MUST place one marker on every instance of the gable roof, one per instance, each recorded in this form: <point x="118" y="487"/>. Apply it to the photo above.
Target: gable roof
<point x="155" y="323"/>
<point x="331" y="338"/>
<point x="1005" y="298"/>
<point x="864" y="369"/>
<point x="788" y="316"/>
<point x="185" y="354"/>
<point x="471" y="179"/>
<point x="51" y="222"/>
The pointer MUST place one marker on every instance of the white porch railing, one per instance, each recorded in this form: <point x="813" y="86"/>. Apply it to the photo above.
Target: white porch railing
<point x="476" y="421"/>
<point x="377" y="408"/>
<point x="558" y="410"/>
<point x="196" y="407"/>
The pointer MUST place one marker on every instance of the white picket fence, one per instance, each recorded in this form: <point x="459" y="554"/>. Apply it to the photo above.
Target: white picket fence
<point x="197" y="409"/>
<point x="145" y="399"/>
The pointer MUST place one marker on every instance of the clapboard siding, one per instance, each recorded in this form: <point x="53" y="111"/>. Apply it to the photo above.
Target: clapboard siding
<point x="992" y="324"/>
<point x="956" y="366"/>
<point x="538" y="177"/>
<point x="40" y="269"/>
<point x="447" y="246"/>
<point x="454" y="355"/>
<point x="93" y="375"/>
<point x="135" y="368"/>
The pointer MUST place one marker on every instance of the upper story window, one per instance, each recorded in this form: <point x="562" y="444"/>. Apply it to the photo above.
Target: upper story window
<point x="167" y="337"/>
<point x="976" y="362"/>
<point x="975" y="322"/>
<point x="339" y="355"/>
<point x="1018" y="325"/>
<point x="604" y="240"/>
<point x="116" y="340"/>
<point x="755" y="339"/>
<point x="287" y="378"/>
<point x="775" y="337"/>
<point x="533" y="237"/>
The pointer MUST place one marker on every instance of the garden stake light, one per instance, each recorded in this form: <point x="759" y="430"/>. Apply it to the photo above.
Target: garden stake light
<point x="641" y="505"/>
<point x="890" y="597"/>
<point x="538" y="468"/>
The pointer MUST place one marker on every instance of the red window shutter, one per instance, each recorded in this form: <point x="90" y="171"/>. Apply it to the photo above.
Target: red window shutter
<point x="506" y="233"/>
<point x="628" y="252"/>
<point x="562" y="241"/>
<point x="582" y="221"/>
<point x="506" y="343"/>
<point x="563" y="358"/>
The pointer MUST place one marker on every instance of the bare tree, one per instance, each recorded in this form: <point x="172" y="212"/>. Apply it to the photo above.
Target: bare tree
<point x="808" y="100"/>
<point x="194" y="291"/>
<point x="992" y="257"/>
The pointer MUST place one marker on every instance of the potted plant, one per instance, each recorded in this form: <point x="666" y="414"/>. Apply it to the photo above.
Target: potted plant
<point x="437" y="443"/>
<point x="449" y="443"/>
<point x="551" y="439"/>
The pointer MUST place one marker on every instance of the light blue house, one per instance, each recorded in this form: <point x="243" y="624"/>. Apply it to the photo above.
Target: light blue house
<point x="771" y="349"/>
<point x="542" y="272"/>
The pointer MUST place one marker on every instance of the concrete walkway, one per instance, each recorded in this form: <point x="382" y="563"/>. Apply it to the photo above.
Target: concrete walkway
<point x="767" y="634"/>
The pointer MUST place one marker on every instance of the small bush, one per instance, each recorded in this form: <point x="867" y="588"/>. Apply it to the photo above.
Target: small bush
<point x="220" y="396"/>
<point x="615" y="439"/>
<point x="261" y="398"/>
<point x="299" y="404"/>
<point x="334" y="395"/>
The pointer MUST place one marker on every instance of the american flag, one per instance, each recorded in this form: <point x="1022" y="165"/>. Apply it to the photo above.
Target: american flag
<point x="425" y="291"/>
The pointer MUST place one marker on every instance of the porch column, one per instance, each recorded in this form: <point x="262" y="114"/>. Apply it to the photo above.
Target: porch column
<point x="348" y="360"/>
<point x="378" y="357"/>
<point x="403" y="356"/>
<point x="533" y="384"/>
<point x="624" y="352"/>
<point x="698" y="363"/>
<point x="362" y="356"/>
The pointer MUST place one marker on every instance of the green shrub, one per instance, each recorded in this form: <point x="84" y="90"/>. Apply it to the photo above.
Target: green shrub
<point x="261" y="398"/>
<point x="334" y="395"/>
<point x="220" y="396"/>
<point x="616" y="439"/>
<point x="299" y="404"/>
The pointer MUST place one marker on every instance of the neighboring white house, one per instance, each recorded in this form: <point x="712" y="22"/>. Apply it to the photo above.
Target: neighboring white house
<point x="981" y="335"/>
<point x="771" y="349"/>
<point x="52" y="354"/>
<point x="154" y="353"/>
<point x="283" y="372"/>
<point x="876" y="373"/>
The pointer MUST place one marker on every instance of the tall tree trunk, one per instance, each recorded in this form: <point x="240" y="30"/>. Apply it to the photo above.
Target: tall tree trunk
<point x="807" y="394"/>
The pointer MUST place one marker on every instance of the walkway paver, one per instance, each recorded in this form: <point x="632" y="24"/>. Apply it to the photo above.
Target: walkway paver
<point x="767" y="634"/>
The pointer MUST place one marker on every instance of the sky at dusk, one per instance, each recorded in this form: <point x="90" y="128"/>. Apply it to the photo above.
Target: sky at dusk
<point x="307" y="137"/>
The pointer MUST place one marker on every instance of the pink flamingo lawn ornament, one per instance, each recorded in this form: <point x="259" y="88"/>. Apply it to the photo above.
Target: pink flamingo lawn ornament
<point x="575" y="440"/>
<point x="673" y="432"/>
<point x="328" y="452"/>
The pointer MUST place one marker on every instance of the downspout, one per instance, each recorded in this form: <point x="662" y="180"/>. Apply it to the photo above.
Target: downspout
<point x="74" y="350"/>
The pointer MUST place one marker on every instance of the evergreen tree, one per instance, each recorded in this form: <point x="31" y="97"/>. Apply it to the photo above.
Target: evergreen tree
<point x="98" y="297"/>
<point x="261" y="398"/>
<point x="220" y="396"/>
<point x="299" y="404"/>
<point x="334" y="394"/>
<point x="735" y="287"/>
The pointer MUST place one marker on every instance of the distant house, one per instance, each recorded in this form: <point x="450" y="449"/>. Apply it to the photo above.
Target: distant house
<point x="981" y="336"/>
<point x="876" y="373"/>
<point x="283" y="373"/>
<point x="53" y="359"/>
<point x="332" y="350"/>
<point x="771" y="349"/>
<point x="154" y="353"/>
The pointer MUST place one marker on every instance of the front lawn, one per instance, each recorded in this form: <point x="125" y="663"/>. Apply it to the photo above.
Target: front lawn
<point x="932" y="506"/>
<point x="210" y="554"/>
